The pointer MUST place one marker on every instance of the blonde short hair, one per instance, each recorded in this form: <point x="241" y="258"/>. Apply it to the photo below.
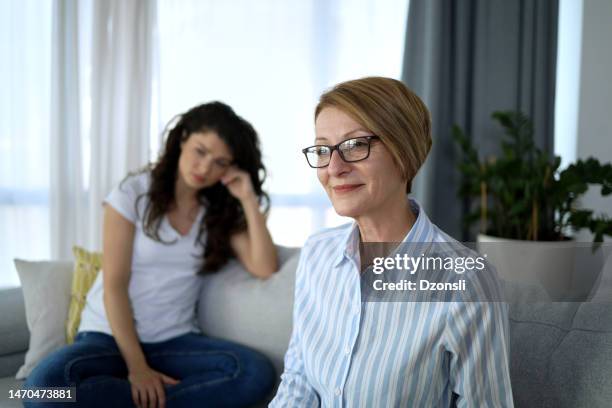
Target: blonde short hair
<point x="391" y="111"/>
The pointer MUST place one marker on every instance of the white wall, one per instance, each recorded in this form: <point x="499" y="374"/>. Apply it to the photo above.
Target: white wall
<point x="595" y="95"/>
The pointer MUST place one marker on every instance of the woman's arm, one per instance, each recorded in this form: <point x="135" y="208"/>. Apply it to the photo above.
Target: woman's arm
<point x="118" y="239"/>
<point x="295" y="389"/>
<point x="253" y="247"/>
<point x="477" y="337"/>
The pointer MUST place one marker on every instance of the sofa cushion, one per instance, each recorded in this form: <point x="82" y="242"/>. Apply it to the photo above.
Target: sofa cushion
<point x="10" y="363"/>
<point x="87" y="266"/>
<point x="13" y="328"/>
<point x="561" y="354"/>
<point x="14" y="335"/>
<point x="257" y="313"/>
<point x="46" y="290"/>
<point x="6" y="384"/>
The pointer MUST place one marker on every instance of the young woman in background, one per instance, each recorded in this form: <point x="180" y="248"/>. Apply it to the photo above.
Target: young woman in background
<point x="138" y="341"/>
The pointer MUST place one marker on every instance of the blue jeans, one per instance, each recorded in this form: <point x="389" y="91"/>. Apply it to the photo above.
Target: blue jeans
<point x="211" y="372"/>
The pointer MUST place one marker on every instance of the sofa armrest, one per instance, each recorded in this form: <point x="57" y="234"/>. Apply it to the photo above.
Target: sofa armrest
<point x="14" y="334"/>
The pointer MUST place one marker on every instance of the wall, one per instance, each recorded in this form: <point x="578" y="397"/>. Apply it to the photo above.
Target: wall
<point x="595" y="95"/>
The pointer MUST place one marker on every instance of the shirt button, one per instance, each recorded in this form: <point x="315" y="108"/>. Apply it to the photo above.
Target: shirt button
<point x="347" y="350"/>
<point x="338" y="392"/>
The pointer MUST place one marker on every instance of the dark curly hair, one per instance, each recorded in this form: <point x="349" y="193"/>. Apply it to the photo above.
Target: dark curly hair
<point x="224" y="215"/>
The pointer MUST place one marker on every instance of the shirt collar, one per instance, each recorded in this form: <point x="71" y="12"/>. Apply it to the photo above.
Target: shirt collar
<point x="421" y="231"/>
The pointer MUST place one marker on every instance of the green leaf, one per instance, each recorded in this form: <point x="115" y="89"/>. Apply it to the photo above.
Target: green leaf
<point x="523" y="175"/>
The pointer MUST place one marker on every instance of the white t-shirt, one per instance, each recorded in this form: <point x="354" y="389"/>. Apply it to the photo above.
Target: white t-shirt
<point x="164" y="285"/>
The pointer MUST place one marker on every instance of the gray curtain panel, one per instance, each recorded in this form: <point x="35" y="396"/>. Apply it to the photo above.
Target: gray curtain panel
<point x="466" y="59"/>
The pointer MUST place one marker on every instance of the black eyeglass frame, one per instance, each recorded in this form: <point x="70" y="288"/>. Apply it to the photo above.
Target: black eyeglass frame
<point x="369" y="138"/>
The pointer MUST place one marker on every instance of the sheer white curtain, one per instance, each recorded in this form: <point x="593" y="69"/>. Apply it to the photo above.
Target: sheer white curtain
<point x="77" y="80"/>
<point x="66" y="193"/>
<point x="122" y="68"/>
<point x="103" y="65"/>
<point x="25" y="46"/>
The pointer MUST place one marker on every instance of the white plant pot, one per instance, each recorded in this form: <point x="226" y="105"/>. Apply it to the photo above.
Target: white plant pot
<point x="548" y="265"/>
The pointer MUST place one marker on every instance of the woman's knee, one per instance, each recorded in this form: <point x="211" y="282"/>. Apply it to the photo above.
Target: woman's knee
<point x="48" y="373"/>
<point x="256" y="372"/>
<point x="52" y="371"/>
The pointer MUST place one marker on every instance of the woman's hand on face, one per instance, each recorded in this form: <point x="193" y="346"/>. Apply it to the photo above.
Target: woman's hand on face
<point x="239" y="184"/>
<point x="148" y="387"/>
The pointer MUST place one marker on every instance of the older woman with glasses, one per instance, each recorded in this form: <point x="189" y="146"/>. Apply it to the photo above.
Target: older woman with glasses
<point x="372" y="136"/>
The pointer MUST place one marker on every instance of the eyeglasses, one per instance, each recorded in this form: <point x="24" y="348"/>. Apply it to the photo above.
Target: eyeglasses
<point x="351" y="150"/>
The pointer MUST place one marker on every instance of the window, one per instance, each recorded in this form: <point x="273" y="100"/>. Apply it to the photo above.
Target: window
<point x="567" y="95"/>
<point x="269" y="60"/>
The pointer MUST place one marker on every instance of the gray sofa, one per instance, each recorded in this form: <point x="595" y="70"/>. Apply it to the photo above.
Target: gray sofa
<point x="561" y="353"/>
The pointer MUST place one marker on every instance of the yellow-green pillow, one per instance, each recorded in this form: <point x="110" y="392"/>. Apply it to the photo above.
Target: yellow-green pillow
<point x="86" y="267"/>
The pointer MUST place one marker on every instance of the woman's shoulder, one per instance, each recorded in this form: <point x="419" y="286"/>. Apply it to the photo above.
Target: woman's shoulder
<point x="136" y="182"/>
<point x="127" y="193"/>
<point x="329" y="236"/>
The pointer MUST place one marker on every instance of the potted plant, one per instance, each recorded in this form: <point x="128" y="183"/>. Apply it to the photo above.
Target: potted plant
<point x="526" y="205"/>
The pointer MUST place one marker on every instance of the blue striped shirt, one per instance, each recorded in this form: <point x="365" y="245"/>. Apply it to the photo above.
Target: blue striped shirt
<point x="345" y="352"/>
